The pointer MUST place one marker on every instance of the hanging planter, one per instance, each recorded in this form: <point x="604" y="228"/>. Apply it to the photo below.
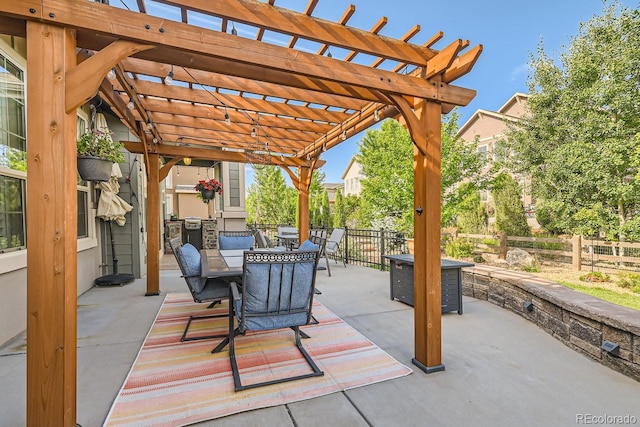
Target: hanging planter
<point x="207" y="194"/>
<point x="97" y="152"/>
<point x="93" y="168"/>
<point x="207" y="189"/>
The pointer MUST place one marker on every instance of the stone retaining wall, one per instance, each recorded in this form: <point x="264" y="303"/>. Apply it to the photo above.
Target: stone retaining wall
<point x="580" y="321"/>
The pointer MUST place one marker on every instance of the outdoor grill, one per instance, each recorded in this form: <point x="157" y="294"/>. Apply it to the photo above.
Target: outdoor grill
<point x="192" y="231"/>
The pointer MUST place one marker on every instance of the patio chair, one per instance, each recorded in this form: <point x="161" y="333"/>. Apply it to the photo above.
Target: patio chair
<point x="232" y="239"/>
<point x="333" y="245"/>
<point x="287" y="236"/>
<point x="321" y="241"/>
<point x="277" y="292"/>
<point x="263" y="241"/>
<point x="202" y="289"/>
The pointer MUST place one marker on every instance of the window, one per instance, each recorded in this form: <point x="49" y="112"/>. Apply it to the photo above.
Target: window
<point x="483" y="150"/>
<point x="12" y="228"/>
<point x="13" y="160"/>
<point x="83" y="186"/>
<point x="234" y="184"/>
<point x="13" y="156"/>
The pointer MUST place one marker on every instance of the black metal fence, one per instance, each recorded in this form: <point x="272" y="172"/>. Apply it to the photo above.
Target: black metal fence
<point x="358" y="246"/>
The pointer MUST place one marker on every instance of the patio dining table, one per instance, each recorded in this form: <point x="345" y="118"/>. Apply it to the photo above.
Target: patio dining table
<point x="221" y="263"/>
<point x="224" y="262"/>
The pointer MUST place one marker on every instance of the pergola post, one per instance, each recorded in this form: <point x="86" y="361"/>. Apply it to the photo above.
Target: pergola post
<point x="51" y="229"/>
<point x="427" y="280"/>
<point x="303" y="202"/>
<point x="153" y="225"/>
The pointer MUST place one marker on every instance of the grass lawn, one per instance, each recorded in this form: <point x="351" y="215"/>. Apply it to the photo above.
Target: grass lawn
<point x="620" y="298"/>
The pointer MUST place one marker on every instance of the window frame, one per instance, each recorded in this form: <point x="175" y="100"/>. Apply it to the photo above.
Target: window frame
<point x="16" y="259"/>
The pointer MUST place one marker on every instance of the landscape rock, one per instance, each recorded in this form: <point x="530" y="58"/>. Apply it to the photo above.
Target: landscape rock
<point x="518" y="258"/>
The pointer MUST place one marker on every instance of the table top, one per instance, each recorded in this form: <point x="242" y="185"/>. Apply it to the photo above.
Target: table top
<point x="216" y="264"/>
<point x="444" y="263"/>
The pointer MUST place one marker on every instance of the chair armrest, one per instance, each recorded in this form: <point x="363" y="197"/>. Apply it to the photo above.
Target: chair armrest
<point x="235" y="294"/>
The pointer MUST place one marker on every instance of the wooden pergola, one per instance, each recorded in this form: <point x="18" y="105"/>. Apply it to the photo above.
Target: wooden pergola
<point x="277" y="97"/>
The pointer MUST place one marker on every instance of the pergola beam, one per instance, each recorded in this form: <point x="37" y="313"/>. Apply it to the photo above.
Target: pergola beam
<point x="300" y="25"/>
<point x="269" y="60"/>
<point x="233" y="83"/>
<point x="237" y="102"/>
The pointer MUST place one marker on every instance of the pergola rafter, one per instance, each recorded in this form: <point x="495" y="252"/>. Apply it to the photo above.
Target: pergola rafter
<point x="226" y="87"/>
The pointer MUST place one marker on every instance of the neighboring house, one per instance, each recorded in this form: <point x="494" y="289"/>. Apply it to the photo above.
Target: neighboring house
<point x="488" y="128"/>
<point x="352" y="178"/>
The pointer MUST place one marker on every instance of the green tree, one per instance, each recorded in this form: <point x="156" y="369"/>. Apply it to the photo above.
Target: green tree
<point x="461" y="171"/>
<point x="269" y="199"/>
<point x="345" y="210"/>
<point x="510" y="215"/>
<point x="472" y="215"/>
<point x="579" y="140"/>
<point x="386" y="156"/>
<point x="318" y="200"/>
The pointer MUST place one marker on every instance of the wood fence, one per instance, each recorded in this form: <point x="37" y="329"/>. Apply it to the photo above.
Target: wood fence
<point x="579" y="252"/>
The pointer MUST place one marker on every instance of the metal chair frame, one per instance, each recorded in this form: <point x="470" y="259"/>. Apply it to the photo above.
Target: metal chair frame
<point x="176" y="244"/>
<point x="271" y="258"/>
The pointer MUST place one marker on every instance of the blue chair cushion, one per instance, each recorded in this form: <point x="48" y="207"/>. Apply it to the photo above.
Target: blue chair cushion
<point x="263" y="293"/>
<point x="189" y="259"/>
<point x="308" y="245"/>
<point x="235" y="242"/>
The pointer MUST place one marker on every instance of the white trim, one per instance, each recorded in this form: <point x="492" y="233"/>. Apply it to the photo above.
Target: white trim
<point x="17" y="260"/>
<point x="9" y="51"/>
<point x="12" y="173"/>
<point x="87" y="243"/>
<point x="11" y="261"/>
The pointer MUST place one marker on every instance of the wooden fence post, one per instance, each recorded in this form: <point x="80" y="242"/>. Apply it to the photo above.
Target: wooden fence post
<point x="503" y="245"/>
<point x="576" y="242"/>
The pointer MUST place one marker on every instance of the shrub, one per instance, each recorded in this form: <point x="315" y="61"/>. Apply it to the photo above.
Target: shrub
<point x="459" y="248"/>
<point x="531" y="268"/>
<point x="478" y="259"/>
<point x="629" y="281"/>
<point x="595" y="276"/>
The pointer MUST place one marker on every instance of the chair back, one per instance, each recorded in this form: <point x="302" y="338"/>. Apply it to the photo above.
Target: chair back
<point x="277" y="289"/>
<point x="287" y="229"/>
<point x="260" y="238"/>
<point x="320" y="241"/>
<point x="320" y="232"/>
<point x="334" y="240"/>
<point x="235" y="239"/>
<point x="190" y="264"/>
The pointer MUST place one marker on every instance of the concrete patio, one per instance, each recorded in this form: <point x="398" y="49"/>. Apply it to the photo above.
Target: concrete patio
<point x="500" y="369"/>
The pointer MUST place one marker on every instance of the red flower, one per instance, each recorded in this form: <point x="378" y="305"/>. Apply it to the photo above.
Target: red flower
<point x="211" y="184"/>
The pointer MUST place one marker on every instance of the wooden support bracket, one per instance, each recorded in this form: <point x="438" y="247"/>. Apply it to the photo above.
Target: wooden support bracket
<point x="85" y="78"/>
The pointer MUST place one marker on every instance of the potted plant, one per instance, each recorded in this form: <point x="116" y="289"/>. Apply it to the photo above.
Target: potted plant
<point x="410" y="241"/>
<point x="97" y="152"/>
<point x="207" y="189"/>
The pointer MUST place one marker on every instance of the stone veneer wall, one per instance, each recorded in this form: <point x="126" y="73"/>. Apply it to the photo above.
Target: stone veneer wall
<point x="209" y="233"/>
<point x="580" y="321"/>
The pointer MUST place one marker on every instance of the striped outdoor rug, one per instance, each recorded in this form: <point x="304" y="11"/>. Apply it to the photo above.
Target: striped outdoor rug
<point x="175" y="383"/>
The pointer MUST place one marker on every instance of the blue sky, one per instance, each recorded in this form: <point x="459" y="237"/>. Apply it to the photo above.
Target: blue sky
<point x="509" y="30"/>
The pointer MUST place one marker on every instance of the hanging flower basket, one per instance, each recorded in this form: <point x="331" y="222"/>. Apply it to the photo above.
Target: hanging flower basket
<point x="93" y="168"/>
<point x="207" y="194"/>
<point x="207" y="189"/>
<point x="97" y="152"/>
